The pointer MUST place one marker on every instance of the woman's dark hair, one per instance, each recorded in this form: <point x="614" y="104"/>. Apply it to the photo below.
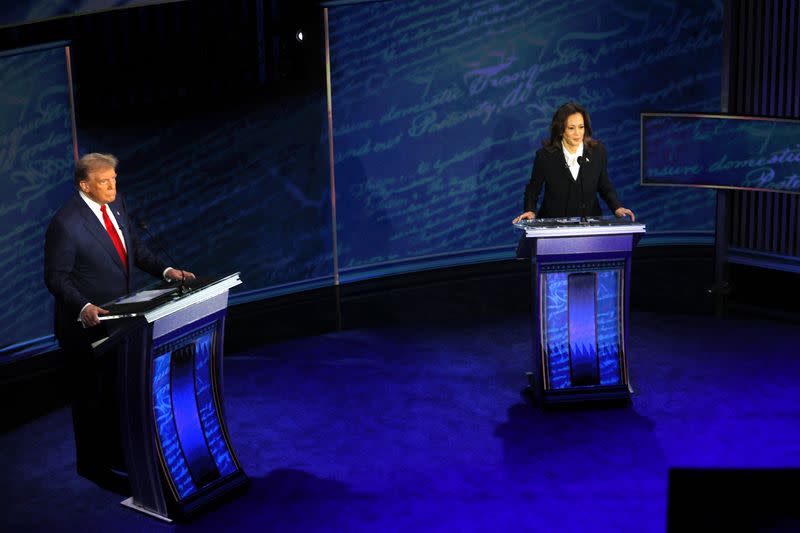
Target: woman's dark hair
<point x="559" y="122"/>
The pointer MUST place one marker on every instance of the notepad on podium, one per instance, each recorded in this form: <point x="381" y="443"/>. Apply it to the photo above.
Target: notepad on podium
<point x="576" y="226"/>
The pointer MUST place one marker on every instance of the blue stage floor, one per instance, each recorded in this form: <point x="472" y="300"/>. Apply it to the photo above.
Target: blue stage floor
<point x="424" y="429"/>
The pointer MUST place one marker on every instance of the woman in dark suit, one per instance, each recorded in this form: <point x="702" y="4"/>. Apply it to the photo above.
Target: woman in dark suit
<point x="572" y="167"/>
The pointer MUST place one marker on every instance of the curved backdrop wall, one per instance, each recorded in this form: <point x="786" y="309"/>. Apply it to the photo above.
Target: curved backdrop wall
<point x="36" y="154"/>
<point x="37" y="10"/>
<point x="438" y="109"/>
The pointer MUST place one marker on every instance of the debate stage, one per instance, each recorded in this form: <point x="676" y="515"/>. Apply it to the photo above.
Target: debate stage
<point x="420" y="425"/>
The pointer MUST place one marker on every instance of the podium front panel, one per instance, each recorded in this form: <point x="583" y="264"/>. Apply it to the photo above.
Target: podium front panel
<point x="584" y="245"/>
<point x="580" y="325"/>
<point x="192" y="440"/>
<point x="581" y="279"/>
<point x="178" y="453"/>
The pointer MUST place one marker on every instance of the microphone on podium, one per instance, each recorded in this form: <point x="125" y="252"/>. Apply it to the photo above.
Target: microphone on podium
<point x="141" y="224"/>
<point x="582" y="160"/>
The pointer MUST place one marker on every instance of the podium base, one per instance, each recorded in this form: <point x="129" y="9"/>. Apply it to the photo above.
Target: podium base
<point x="621" y="394"/>
<point x="614" y="394"/>
<point x="130" y="504"/>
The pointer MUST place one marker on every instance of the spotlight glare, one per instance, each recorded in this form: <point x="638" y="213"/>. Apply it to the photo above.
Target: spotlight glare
<point x="299" y="35"/>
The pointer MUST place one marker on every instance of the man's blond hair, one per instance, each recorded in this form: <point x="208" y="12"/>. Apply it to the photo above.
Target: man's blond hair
<point x="91" y="162"/>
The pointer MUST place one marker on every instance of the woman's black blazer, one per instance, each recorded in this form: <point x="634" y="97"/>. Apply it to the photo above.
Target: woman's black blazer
<point x="564" y="196"/>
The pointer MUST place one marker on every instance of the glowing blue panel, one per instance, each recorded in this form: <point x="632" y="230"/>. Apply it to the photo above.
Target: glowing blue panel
<point x="559" y="317"/>
<point x="165" y="426"/>
<point x="583" y="329"/>
<point x="208" y="411"/>
<point x="187" y="419"/>
<point x="609" y="331"/>
<point x="556" y="337"/>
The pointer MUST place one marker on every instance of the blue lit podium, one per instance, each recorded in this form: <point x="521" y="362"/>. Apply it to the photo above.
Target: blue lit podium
<point x="581" y="280"/>
<point x="169" y="344"/>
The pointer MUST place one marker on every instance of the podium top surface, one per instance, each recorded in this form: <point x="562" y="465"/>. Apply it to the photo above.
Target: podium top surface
<point x="578" y="227"/>
<point x="157" y="303"/>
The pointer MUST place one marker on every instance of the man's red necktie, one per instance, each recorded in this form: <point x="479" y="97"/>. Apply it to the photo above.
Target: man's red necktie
<point x="112" y="232"/>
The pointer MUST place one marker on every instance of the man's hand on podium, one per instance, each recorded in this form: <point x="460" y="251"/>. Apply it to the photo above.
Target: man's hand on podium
<point x="175" y="274"/>
<point x="90" y="315"/>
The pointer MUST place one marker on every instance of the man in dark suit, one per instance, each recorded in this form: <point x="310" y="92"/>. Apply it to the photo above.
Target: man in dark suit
<point x="90" y="249"/>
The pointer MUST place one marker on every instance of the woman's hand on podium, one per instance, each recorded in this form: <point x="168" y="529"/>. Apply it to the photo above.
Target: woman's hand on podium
<point x="621" y="212"/>
<point x="527" y="215"/>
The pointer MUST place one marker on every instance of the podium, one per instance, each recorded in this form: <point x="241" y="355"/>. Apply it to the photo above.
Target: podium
<point x="581" y="279"/>
<point x="169" y="385"/>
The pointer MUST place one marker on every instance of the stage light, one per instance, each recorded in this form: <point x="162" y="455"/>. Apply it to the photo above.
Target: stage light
<point x="299" y="36"/>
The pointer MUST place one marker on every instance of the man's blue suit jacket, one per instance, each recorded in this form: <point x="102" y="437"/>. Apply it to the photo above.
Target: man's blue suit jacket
<point x="81" y="264"/>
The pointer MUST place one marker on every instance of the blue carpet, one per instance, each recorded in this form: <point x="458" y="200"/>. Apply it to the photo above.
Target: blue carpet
<point x="423" y="428"/>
